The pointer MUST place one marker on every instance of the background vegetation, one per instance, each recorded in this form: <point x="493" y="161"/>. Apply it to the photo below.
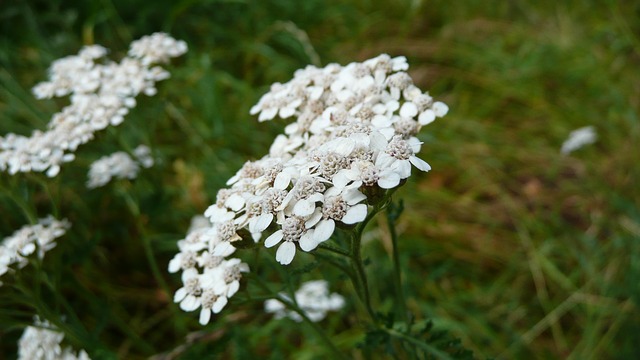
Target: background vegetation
<point x="517" y="250"/>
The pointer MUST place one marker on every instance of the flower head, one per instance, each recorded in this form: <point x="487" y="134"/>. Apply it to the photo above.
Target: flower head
<point x="101" y="92"/>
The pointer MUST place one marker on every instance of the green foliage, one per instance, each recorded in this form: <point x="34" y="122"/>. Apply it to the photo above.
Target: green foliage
<point x="507" y="245"/>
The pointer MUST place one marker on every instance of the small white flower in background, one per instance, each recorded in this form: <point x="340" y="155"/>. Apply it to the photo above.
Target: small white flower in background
<point x="579" y="138"/>
<point x="101" y="93"/>
<point x="118" y="165"/>
<point x="313" y="298"/>
<point x="31" y="238"/>
<point x="42" y="342"/>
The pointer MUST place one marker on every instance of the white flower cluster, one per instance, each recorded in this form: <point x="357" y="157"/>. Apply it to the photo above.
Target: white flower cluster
<point x="101" y="93"/>
<point x="219" y="280"/>
<point x="31" y="238"/>
<point x="579" y="138"/>
<point x="42" y="342"/>
<point x="119" y="165"/>
<point x="313" y="298"/>
<point x="354" y="133"/>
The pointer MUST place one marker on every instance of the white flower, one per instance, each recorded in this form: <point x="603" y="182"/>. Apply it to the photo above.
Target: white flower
<point x="579" y="138"/>
<point x="42" y="342"/>
<point x="353" y="127"/>
<point x="294" y="229"/>
<point x="339" y="205"/>
<point x="313" y="298"/>
<point x="101" y="94"/>
<point x="400" y="155"/>
<point x="41" y="237"/>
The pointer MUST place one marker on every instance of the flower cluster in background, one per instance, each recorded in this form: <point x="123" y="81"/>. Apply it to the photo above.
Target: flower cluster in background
<point x="579" y="138"/>
<point x="101" y="92"/>
<point x="119" y="165"/>
<point x="30" y="239"/>
<point x="355" y="130"/>
<point x="313" y="298"/>
<point x="42" y="342"/>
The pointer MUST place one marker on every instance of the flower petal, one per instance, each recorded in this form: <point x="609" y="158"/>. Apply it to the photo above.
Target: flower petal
<point x="419" y="163"/>
<point x="261" y="223"/>
<point x="219" y="304"/>
<point x="273" y="239"/>
<point x="408" y="110"/>
<point x="388" y="180"/>
<point x="286" y="252"/>
<point x="304" y="207"/>
<point x="427" y="117"/>
<point x="356" y="214"/>
<point x="307" y="242"/>
<point x="205" y="316"/>
<point x="324" y="230"/>
<point x="441" y="109"/>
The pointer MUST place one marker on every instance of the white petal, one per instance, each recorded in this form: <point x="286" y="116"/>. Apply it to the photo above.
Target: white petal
<point x="426" y="117"/>
<point x="274" y="239"/>
<point x="381" y="121"/>
<point x="205" y="316"/>
<point x="174" y="264"/>
<point x="304" y="207"/>
<point x="286" y="112"/>
<point x="314" y="218"/>
<point x="388" y="180"/>
<point x="344" y="147"/>
<point x="219" y="304"/>
<point x="378" y="141"/>
<point x="353" y="196"/>
<point x="233" y="288"/>
<point x="282" y="181"/>
<point x="286" y="252"/>
<point x="235" y="202"/>
<point x="324" y="230"/>
<point x="307" y="241"/>
<point x="408" y="110"/>
<point x="223" y="249"/>
<point x="403" y="168"/>
<point x="441" y="109"/>
<point x="180" y="295"/>
<point x="261" y="223"/>
<point x="189" y="303"/>
<point x="356" y="214"/>
<point x="268" y="114"/>
<point x="388" y="132"/>
<point x="385" y="161"/>
<point x="419" y="163"/>
<point x="343" y="177"/>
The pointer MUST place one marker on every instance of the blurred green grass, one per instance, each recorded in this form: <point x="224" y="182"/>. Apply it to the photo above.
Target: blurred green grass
<point x="518" y="250"/>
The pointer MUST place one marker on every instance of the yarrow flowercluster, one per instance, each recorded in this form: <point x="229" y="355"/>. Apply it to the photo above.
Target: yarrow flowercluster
<point x="101" y="92"/>
<point x="354" y="134"/>
<point x="42" y="342"/>
<point x="30" y="239"/>
<point x="209" y="279"/>
<point x="313" y="298"/>
<point x="119" y="165"/>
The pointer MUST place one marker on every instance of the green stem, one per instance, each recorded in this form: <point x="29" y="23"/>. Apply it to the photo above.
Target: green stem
<point x="334" y="249"/>
<point x="400" y="299"/>
<point x="361" y="283"/>
<point x="146" y="243"/>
